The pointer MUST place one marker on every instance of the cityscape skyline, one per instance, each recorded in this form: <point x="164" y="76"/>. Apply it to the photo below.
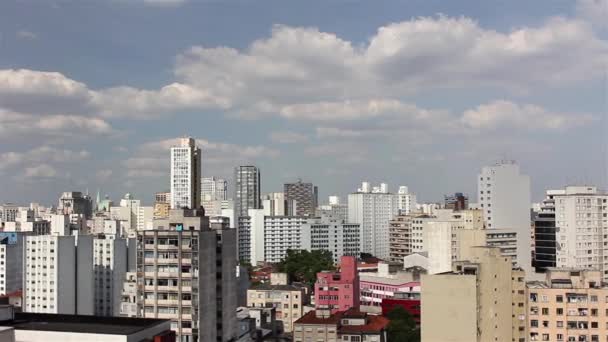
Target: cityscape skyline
<point x="354" y="108"/>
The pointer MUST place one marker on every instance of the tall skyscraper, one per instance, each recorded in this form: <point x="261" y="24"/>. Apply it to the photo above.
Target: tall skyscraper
<point x="185" y="175"/>
<point x="306" y="196"/>
<point x="545" y="243"/>
<point x="246" y="190"/>
<point x="504" y="197"/>
<point x="373" y="209"/>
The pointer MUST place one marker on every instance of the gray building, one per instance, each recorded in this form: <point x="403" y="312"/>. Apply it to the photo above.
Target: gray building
<point x="188" y="275"/>
<point x="246" y="190"/>
<point x="306" y="196"/>
<point x="75" y="202"/>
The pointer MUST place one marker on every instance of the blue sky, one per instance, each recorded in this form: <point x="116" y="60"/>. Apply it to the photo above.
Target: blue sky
<point x="419" y="93"/>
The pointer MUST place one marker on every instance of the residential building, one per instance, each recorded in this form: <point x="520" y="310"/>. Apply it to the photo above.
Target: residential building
<point x="504" y="196"/>
<point x="380" y="285"/>
<point x="246" y="190"/>
<point x="545" y="231"/>
<point x="338" y="290"/>
<point x="162" y="204"/>
<point x="213" y="192"/>
<point x="38" y="327"/>
<point x="162" y="197"/>
<point x="275" y="204"/>
<point x="569" y="305"/>
<point x="128" y="301"/>
<point x="400" y="237"/>
<point x="373" y="209"/>
<point x="406" y="201"/>
<point x="287" y="299"/>
<point x="581" y="221"/>
<point x="349" y="325"/>
<point x="110" y="265"/>
<point x="306" y="196"/>
<point x="185" y="175"/>
<point x="75" y="202"/>
<point x="458" y="201"/>
<point x="188" y="275"/>
<point x="331" y="234"/>
<point x="8" y="212"/>
<point x="477" y="301"/>
<point x="11" y="262"/>
<point x="58" y="276"/>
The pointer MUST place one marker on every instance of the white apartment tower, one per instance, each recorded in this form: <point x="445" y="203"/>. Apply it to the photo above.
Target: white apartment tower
<point x="407" y="201"/>
<point x="185" y="175"/>
<point x="373" y="208"/>
<point x="504" y="196"/>
<point x="581" y="222"/>
<point x="331" y="234"/>
<point x="58" y="275"/>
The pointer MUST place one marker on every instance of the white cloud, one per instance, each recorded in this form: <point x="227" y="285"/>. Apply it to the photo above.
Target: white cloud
<point x="288" y="137"/>
<point x="40" y="171"/>
<point x="13" y="125"/>
<point x="103" y="175"/>
<point x="26" y="35"/>
<point x="41" y="154"/>
<point x="595" y="11"/>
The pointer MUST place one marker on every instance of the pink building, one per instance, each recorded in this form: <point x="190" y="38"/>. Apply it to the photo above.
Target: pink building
<point x="338" y="291"/>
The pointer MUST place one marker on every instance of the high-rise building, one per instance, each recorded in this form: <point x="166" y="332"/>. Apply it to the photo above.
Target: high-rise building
<point x="407" y="201"/>
<point x="457" y="201"/>
<point x="400" y="237"/>
<point x="331" y="234"/>
<point x="58" y="276"/>
<point x="185" y="175"/>
<point x="569" y="305"/>
<point x="581" y="222"/>
<point x="478" y="301"/>
<point x="213" y="192"/>
<point x="110" y="264"/>
<point x="334" y="208"/>
<point x="188" y="275"/>
<point x="545" y="230"/>
<point x="8" y="212"/>
<point x="504" y="197"/>
<point x="306" y="196"/>
<point x="275" y="204"/>
<point x="373" y="209"/>
<point x="75" y="203"/>
<point x="246" y="190"/>
<point x="338" y="291"/>
<point x="11" y="262"/>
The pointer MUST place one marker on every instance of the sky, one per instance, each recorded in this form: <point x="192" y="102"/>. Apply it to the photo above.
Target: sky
<point x="422" y="93"/>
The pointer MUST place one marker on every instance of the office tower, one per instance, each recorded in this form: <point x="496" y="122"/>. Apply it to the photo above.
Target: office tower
<point x="246" y="190"/>
<point x="11" y="262"/>
<point x="110" y="262"/>
<point x="373" y="209"/>
<point x="477" y="301"/>
<point x="75" y="203"/>
<point x="545" y="230"/>
<point x="569" y="305"/>
<point x="504" y="197"/>
<point x="457" y="201"/>
<point x="188" y="275"/>
<point x="331" y="234"/>
<point x="334" y="208"/>
<point x="305" y="195"/>
<point x="407" y="201"/>
<point x="58" y="276"/>
<point x="338" y="290"/>
<point x="185" y="175"/>
<point x="8" y="212"/>
<point x="580" y="221"/>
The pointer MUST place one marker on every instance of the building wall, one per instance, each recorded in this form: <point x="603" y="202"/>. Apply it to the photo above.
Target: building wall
<point x="185" y="175"/>
<point x="289" y="304"/>
<point x="305" y="195"/>
<point x="246" y="190"/>
<point x="85" y="279"/>
<point x="332" y="235"/>
<point x="11" y="262"/>
<point x="316" y="332"/>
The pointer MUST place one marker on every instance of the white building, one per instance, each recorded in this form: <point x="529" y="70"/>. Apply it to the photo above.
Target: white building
<point x="407" y="201"/>
<point x="8" y="212"/>
<point x="213" y="192"/>
<point x="331" y="234"/>
<point x="335" y="208"/>
<point x="504" y="196"/>
<point x="581" y="222"/>
<point x="373" y="209"/>
<point x="11" y="262"/>
<point x="110" y="260"/>
<point x="274" y="202"/>
<point x="185" y="175"/>
<point x="58" y="276"/>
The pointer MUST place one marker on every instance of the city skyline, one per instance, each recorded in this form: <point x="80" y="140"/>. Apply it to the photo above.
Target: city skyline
<point x="300" y="94"/>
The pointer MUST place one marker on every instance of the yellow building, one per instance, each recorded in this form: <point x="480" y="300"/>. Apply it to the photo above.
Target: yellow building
<point x="570" y="305"/>
<point x="477" y="301"/>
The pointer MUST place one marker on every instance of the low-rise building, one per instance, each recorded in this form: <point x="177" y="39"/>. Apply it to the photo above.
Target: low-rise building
<point x="376" y="286"/>
<point x="338" y="291"/>
<point x="349" y="325"/>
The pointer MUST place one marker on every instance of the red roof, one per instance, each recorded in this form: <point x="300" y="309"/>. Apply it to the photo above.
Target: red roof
<point x="311" y="318"/>
<point x="375" y="324"/>
<point x="17" y="293"/>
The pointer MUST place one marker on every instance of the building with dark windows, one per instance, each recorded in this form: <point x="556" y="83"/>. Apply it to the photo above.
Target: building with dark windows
<point x="246" y="190"/>
<point x="456" y="202"/>
<point x="305" y="195"/>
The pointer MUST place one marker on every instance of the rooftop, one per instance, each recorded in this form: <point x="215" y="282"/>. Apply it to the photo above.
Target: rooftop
<point x="373" y="324"/>
<point x="81" y="323"/>
<point x="269" y="287"/>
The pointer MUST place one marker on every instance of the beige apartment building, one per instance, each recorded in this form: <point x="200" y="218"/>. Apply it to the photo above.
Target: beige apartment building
<point x="480" y="300"/>
<point x="350" y="325"/>
<point x="570" y="305"/>
<point x="289" y="301"/>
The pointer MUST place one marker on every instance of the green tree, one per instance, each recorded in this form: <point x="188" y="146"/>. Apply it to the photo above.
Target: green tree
<point x="303" y="266"/>
<point x="402" y="327"/>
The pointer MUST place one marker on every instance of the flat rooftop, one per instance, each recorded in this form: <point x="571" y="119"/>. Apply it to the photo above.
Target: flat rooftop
<point x="81" y="323"/>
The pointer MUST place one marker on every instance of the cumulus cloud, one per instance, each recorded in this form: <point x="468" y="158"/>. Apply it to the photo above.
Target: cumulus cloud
<point x="595" y="11"/>
<point x="40" y="171"/>
<point x="42" y="154"/>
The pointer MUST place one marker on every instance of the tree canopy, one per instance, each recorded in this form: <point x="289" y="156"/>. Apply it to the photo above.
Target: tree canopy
<point x="402" y="327"/>
<point x="303" y="266"/>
